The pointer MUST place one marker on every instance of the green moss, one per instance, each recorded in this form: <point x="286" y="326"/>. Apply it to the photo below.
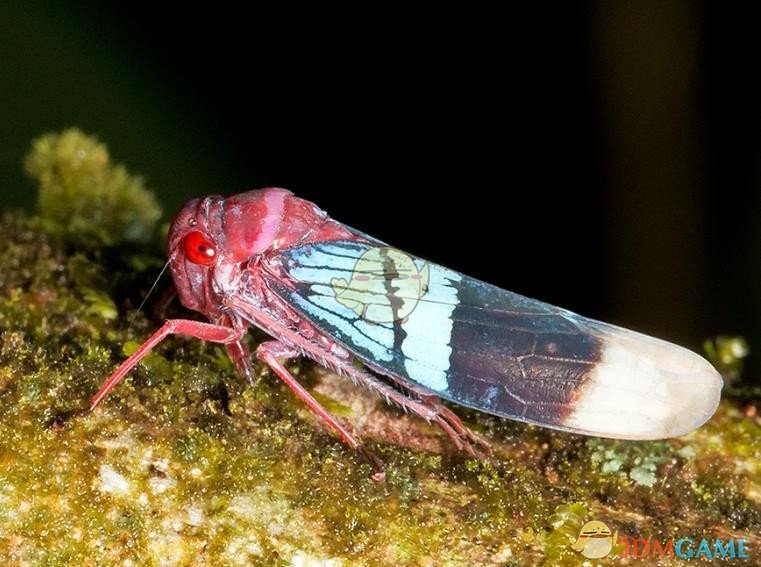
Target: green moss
<point x="184" y="463"/>
<point x="638" y="462"/>
<point x="86" y="198"/>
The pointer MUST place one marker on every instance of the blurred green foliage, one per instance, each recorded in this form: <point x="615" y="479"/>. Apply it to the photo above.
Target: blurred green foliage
<point x="727" y="354"/>
<point x="84" y="197"/>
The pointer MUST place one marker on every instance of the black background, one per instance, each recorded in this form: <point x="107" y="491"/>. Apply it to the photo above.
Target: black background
<point x="603" y="157"/>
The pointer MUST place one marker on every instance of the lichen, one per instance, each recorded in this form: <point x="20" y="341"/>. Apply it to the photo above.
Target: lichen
<point x="184" y="464"/>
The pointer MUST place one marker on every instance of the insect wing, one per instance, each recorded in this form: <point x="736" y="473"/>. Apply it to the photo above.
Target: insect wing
<point x="493" y="350"/>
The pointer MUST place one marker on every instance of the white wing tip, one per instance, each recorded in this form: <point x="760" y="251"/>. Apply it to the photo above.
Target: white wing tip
<point x="645" y="388"/>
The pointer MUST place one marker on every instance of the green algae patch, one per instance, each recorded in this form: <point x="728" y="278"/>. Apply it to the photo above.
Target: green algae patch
<point x="184" y="464"/>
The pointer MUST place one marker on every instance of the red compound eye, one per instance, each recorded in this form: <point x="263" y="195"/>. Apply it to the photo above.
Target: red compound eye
<point x="198" y="249"/>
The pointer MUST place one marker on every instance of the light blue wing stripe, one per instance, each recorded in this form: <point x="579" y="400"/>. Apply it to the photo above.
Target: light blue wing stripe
<point x="335" y="315"/>
<point x="321" y="274"/>
<point x="428" y="329"/>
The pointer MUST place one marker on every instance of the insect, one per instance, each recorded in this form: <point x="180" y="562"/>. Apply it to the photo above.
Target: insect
<point x="420" y="332"/>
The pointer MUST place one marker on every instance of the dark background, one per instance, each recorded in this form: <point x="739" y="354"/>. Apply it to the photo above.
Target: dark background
<point x="600" y="156"/>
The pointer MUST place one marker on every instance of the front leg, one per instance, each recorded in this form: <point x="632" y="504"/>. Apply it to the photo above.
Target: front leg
<point x="270" y="353"/>
<point x="196" y="329"/>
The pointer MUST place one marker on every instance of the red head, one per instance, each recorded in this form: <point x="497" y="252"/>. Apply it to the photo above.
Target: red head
<point x="211" y="238"/>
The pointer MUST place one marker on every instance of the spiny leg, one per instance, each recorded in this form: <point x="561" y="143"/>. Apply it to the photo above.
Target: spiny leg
<point x="270" y="353"/>
<point x="428" y="407"/>
<point x="434" y="402"/>
<point x="457" y="424"/>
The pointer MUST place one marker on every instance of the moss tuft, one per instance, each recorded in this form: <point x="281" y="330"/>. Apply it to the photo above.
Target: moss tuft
<point x="86" y="198"/>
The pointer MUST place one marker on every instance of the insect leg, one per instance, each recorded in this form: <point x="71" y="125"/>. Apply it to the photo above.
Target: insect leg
<point x="428" y="407"/>
<point x="241" y="357"/>
<point x="457" y="424"/>
<point x="196" y="329"/>
<point x="270" y="353"/>
<point x="451" y="417"/>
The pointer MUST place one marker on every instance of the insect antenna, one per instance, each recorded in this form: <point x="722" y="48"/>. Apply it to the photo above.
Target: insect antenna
<point x="155" y="283"/>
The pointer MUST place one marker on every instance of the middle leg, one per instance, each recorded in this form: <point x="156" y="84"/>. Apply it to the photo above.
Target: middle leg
<point x="271" y="352"/>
